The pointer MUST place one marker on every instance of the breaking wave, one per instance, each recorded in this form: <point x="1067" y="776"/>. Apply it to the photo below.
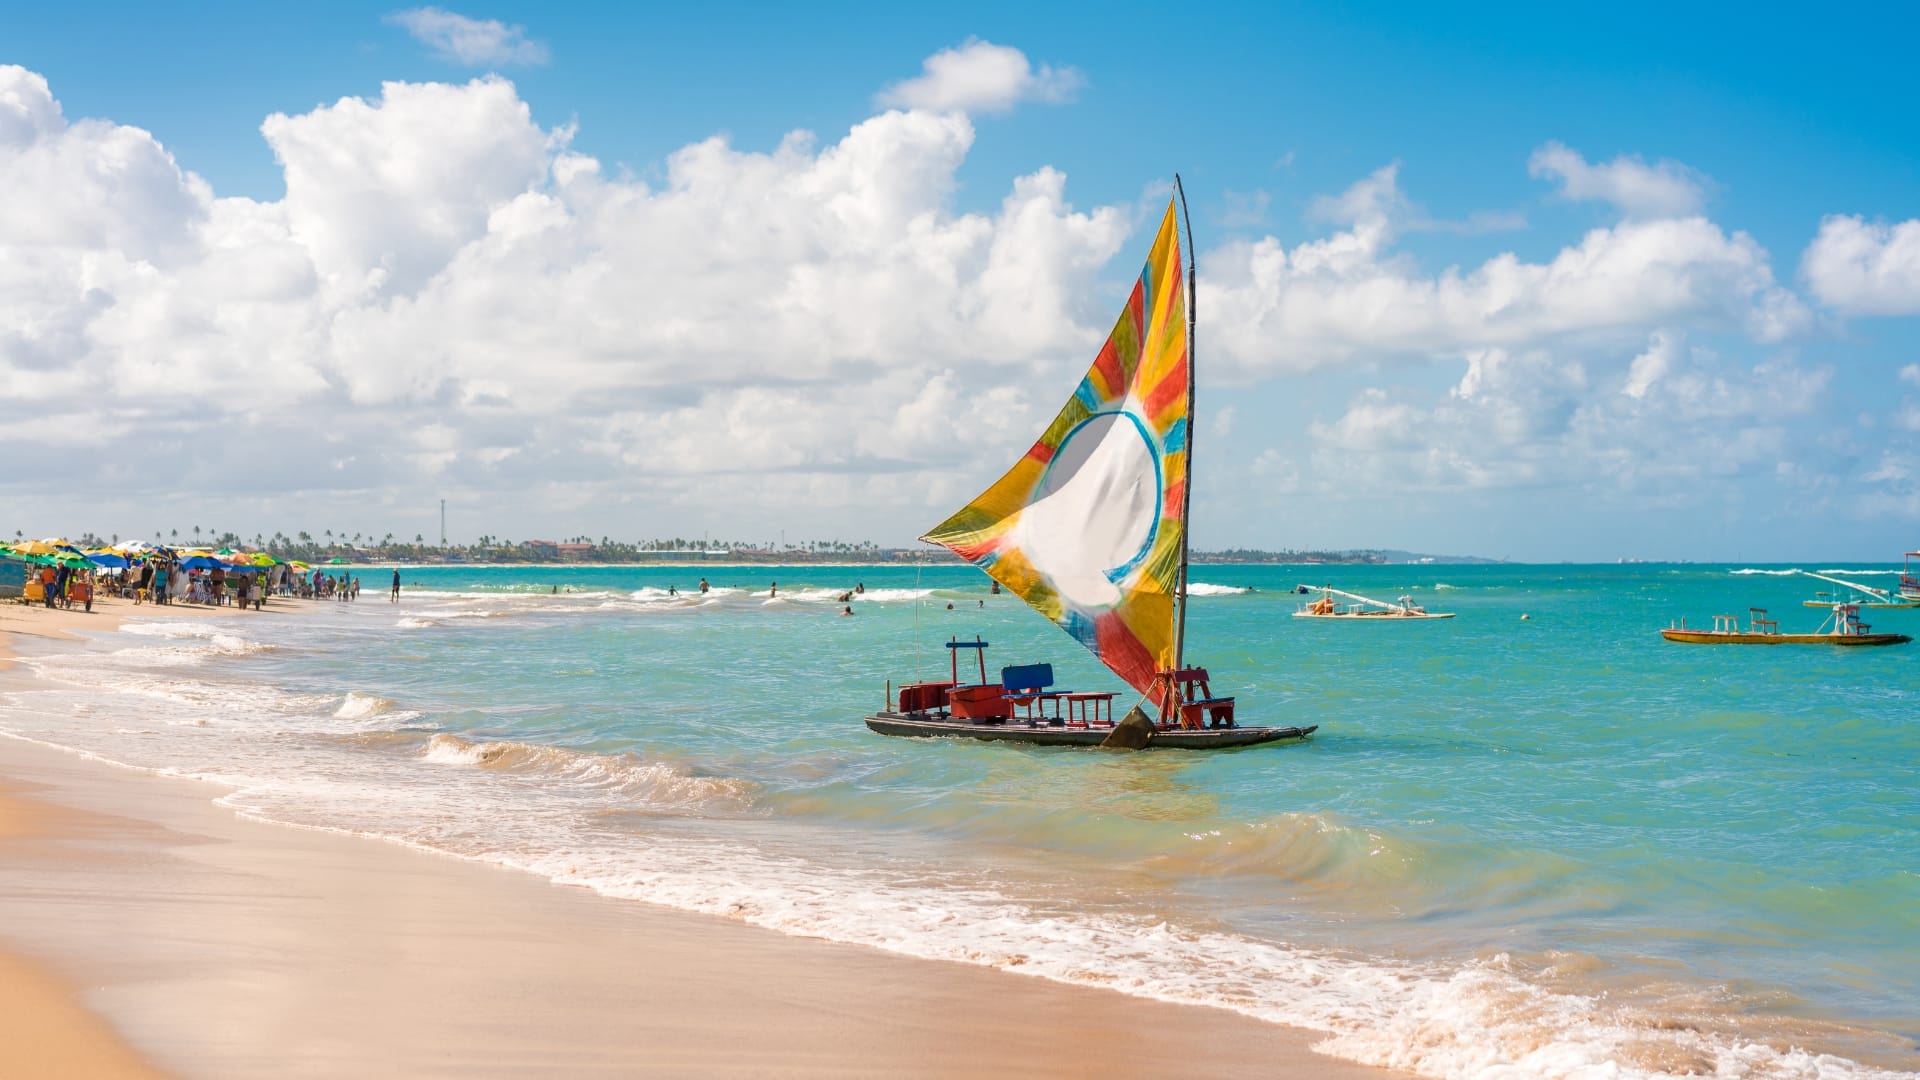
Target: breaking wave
<point x="1201" y="588"/>
<point x="661" y="784"/>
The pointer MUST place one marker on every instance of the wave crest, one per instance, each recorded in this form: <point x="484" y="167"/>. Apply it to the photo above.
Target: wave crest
<point x="658" y="783"/>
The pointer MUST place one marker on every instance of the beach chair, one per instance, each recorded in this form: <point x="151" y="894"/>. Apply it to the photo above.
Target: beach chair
<point x="1199" y="708"/>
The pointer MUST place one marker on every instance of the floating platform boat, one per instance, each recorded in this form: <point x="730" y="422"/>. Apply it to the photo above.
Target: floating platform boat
<point x="1865" y="596"/>
<point x="1842" y="628"/>
<point x="1360" y="607"/>
<point x="1024" y="707"/>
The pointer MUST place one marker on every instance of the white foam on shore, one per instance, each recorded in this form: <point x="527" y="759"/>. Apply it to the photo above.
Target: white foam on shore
<point x="1768" y="573"/>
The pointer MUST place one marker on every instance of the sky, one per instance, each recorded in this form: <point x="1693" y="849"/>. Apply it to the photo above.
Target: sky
<point x="1582" y="284"/>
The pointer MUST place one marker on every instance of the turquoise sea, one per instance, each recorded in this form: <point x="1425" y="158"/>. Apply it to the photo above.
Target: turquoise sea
<point x="1532" y="840"/>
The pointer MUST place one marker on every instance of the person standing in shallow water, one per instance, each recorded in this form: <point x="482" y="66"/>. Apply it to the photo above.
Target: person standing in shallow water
<point x="396" y="586"/>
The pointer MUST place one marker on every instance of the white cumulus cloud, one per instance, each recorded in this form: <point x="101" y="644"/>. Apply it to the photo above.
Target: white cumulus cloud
<point x="1351" y="295"/>
<point x="474" y="42"/>
<point x="1663" y="189"/>
<point x="1522" y="418"/>
<point x="980" y="76"/>
<point x="450" y="300"/>
<point x="1865" y="268"/>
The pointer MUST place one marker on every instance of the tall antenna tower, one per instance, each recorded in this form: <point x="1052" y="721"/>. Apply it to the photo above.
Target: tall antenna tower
<point x="443" y="523"/>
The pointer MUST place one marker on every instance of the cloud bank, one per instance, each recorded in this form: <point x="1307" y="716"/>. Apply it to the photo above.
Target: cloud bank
<point x="450" y="300"/>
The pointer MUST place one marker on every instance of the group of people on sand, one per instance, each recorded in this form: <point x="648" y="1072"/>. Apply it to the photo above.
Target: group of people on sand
<point x="64" y="587"/>
<point x="159" y="578"/>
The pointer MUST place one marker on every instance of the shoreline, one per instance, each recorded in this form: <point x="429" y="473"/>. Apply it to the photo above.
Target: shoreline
<point x="212" y="945"/>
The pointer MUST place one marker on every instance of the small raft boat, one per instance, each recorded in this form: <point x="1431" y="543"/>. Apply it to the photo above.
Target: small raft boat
<point x="1842" y="628"/>
<point x="1865" y="596"/>
<point x="1361" y="607"/>
<point x="1024" y="707"/>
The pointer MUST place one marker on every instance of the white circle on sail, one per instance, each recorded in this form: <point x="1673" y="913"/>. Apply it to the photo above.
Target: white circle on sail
<point x="1095" y="510"/>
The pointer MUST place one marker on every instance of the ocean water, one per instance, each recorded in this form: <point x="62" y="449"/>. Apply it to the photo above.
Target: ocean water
<point x="1532" y="840"/>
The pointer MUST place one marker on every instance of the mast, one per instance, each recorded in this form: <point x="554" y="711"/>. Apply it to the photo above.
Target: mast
<point x="1186" y="494"/>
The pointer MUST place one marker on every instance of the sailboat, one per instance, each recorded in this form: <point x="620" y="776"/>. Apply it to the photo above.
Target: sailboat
<point x="1089" y="527"/>
<point x="1859" y="595"/>
<point x="1361" y="607"/>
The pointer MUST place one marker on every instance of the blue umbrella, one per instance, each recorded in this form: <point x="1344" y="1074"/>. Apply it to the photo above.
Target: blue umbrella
<point x="111" y="562"/>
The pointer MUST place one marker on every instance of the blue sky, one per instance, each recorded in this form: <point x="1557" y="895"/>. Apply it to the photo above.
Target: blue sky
<point x="1771" y="412"/>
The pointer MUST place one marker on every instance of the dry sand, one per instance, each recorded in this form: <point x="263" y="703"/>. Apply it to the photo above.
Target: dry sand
<point x="149" y="932"/>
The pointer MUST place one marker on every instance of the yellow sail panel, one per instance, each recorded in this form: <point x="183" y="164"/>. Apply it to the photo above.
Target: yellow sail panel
<point x="1089" y="526"/>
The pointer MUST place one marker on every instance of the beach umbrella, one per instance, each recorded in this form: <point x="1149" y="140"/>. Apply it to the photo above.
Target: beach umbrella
<point x="41" y="547"/>
<point x="200" y="562"/>
<point x="336" y="562"/>
<point x="132" y="547"/>
<point x="112" y="560"/>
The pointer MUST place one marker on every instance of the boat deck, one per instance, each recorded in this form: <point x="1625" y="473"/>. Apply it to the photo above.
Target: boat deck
<point x="1046" y="732"/>
<point x="1741" y="637"/>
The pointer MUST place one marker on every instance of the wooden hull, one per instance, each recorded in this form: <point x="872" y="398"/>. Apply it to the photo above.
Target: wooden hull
<point x="1044" y="733"/>
<point x="1721" y="637"/>
<point x="1865" y="604"/>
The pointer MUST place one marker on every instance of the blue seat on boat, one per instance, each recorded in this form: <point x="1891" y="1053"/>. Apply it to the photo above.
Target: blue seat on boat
<point x="1027" y="686"/>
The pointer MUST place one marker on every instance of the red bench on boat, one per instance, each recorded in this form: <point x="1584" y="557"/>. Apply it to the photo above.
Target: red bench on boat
<point x="1202" y="709"/>
<point x="983" y="702"/>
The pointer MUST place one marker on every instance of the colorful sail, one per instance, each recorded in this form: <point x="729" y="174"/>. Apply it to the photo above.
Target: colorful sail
<point x="1089" y="527"/>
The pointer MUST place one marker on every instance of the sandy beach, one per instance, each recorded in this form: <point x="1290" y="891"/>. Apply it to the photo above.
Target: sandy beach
<point x="150" y="932"/>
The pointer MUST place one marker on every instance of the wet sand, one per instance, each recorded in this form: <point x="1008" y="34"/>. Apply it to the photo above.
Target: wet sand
<point x="146" y="931"/>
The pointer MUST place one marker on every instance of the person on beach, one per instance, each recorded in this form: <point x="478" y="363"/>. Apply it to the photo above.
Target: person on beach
<point x="703" y="586"/>
<point x="860" y="587"/>
<point x="671" y="592"/>
<point x="47" y="580"/>
<point x="396" y="585"/>
<point x="160" y="583"/>
<point x="845" y="596"/>
<point x="242" y="590"/>
<point x="773" y="590"/>
<point x="847" y="609"/>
